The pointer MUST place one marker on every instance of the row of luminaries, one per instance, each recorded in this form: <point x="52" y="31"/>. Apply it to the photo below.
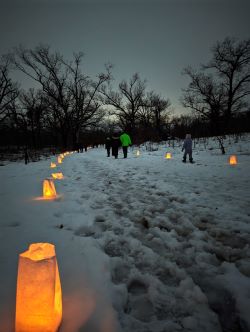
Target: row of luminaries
<point x="49" y="191"/>
<point x="39" y="294"/>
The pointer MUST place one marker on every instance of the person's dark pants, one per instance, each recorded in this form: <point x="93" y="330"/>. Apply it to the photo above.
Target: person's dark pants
<point x="108" y="152"/>
<point x="115" y="152"/>
<point x="125" y="151"/>
<point x="189" y="155"/>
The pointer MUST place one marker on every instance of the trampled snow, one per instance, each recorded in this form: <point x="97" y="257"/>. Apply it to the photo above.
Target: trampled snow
<point x="143" y="244"/>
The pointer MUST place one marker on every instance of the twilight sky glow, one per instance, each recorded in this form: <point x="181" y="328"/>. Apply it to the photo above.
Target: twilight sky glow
<point x="153" y="37"/>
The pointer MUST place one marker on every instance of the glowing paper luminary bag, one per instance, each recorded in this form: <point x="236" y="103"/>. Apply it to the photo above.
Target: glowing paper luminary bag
<point x="52" y="165"/>
<point x="57" y="176"/>
<point x="49" y="190"/>
<point x="38" y="295"/>
<point x="233" y="160"/>
<point x="168" y="155"/>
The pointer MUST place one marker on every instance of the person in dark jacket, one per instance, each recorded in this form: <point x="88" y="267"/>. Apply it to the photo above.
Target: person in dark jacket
<point x="108" y="146"/>
<point x="115" y="143"/>
<point x="187" y="147"/>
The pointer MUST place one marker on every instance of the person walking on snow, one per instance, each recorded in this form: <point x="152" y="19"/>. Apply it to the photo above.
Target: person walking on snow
<point x="108" y="146"/>
<point x="126" y="141"/>
<point x="187" y="146"/>
<point x="26" y="156"/>
<point x="115" y="143"/>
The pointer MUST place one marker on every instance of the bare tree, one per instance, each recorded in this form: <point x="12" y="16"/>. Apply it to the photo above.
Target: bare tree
<point x="205" y="97"/>
<point x="35" y="107"/>
<point x="8" y="90"/>
<point x="231" y="61"/>
<point x="85" y="102"/>
<point x="220" y="89"/>
<point x="160" y="109"/>
<point x="154" y="114"/>
<point x="47" y="69"/>
<point x="145" y="115"/>
<point x="127" y="102"/>
<point x="72" y="96"/>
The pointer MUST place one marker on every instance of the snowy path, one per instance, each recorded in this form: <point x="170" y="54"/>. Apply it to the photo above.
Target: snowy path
<point x="165" y="244"/>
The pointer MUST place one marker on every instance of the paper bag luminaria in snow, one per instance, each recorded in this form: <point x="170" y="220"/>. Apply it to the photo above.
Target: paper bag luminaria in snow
<point x="49" y="190"/>
<point x="168" y="155"/>
<point x="233" y="160"/>
<point x="57" y="176"/>
<point x="52" y="165"/>
<point x="59" y="160"/>
<point x="38" y="294"/>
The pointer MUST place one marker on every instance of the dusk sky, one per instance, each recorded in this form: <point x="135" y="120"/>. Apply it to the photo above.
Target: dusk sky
<point x="155" y="38"/>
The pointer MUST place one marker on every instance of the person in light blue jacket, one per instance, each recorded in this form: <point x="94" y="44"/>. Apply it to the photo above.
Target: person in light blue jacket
<point x="187" y="147"/>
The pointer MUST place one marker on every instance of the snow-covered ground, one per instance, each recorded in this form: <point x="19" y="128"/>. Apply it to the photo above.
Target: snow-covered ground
<point x="143" y="244"/>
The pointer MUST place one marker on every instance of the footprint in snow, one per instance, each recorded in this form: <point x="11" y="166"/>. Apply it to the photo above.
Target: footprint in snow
<point x="85" y="196"/>
<point x="87" y="231"/>
<point x="78" y="178"/>
<point x="99" y="219"/>
<point x="58" y="214"/>
<point x="120" y="272"/>
<point x="139" y="305"/>
<point x="137" y="287"/>
<point x="14" y="224"/>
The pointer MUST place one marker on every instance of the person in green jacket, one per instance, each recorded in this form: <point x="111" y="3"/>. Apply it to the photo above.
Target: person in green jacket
<point x="126" y="141"/>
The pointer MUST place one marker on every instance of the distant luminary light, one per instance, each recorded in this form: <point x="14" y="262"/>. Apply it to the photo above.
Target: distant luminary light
<point x="59" y="160"/>
<point x="137" y="153"/>
<point x="49" y="190"/>
<point x="233" y="160"/>
<point x="52" y="165"/>
<point x="57" y="176"/>
<point x="168" y="155"/>
<point x="38" y="292"/>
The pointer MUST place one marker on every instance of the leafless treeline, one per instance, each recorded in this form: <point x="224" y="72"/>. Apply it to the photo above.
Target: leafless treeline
<point x="66" y="103"/>
<point x="219" y="91"/>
